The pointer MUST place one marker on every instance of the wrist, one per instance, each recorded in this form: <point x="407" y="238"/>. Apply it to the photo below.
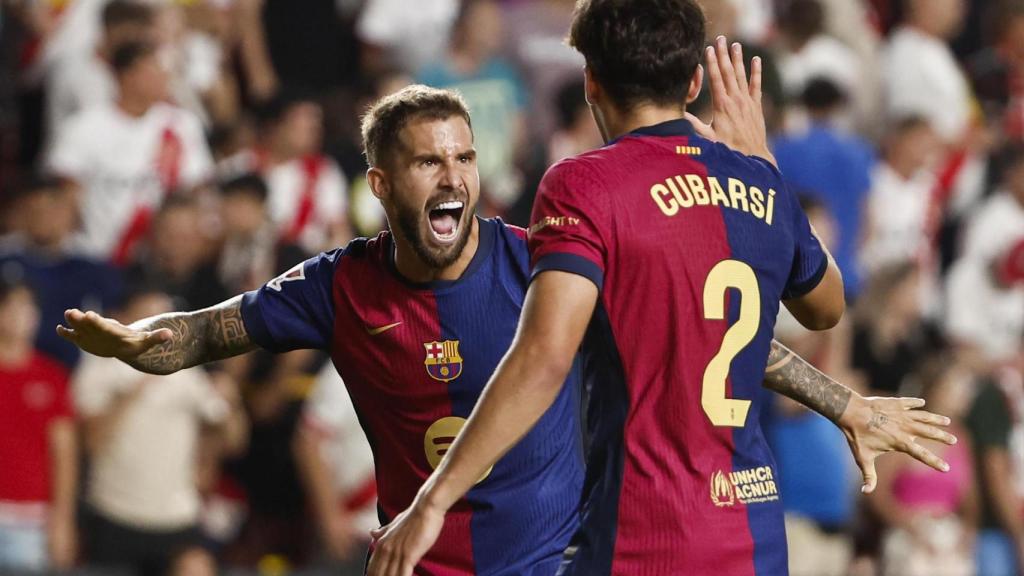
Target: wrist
<point x="431" y="499"/>
<point x="857" y="413"/>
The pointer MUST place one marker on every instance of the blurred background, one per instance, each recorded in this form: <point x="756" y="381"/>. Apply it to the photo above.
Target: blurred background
<point x="166" y="154"/>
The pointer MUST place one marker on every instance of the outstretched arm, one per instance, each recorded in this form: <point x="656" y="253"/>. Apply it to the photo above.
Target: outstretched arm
<point x="166" y="343"/>
<point x="873" y="426"/>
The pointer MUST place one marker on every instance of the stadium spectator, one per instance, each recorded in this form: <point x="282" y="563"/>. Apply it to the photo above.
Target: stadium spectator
<point x="494" y="92"/>
<point x="143" y="436"/>
<point x="994" y="423"/>
<point x="177" y="258"/>
<point x="40" y="248"/>
<point x="277" y="527"/>
<point x="315" y="47"/>
<point x="931" y="517"/>
<point x="890" y="338"/>
<point x="85" y="79"/>
<point x="148" y="150"/>
<point x="723" y="19"/>
<point x="894" y="226"/>
<point x="336" y="464"/>
<point x="394" y="36"/>
<point x="985" y="311"/>
<point x="535" y="33"/>
<point x="250" y="252"/>
<point x="37" y="445"/>
<point x="832" y="164"/>
<point x="307" y="198"/>
<point x="997" y="72"/>
<point x="921" y="73"/>
<point x="576" y="133"/>
<point x="806" y="52"/>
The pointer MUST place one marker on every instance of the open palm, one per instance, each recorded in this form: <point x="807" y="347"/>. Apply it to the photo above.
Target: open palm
<point x="107" y="337"/>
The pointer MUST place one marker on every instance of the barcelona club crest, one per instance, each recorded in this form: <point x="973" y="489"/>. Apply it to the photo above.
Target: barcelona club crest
<point x="443" y="361"/>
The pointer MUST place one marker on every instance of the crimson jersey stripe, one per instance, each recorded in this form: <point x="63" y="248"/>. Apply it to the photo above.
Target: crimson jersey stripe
<point x="399" y="473"/>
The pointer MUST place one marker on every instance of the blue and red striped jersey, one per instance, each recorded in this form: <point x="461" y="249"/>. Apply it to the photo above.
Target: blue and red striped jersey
<point x="692" y="246"/>
<point x="415" y="358"/>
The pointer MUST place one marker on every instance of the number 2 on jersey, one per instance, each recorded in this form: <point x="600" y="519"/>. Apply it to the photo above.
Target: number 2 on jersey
<point x="721" y="410"/>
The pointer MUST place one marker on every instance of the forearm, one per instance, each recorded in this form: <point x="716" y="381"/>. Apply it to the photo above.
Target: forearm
<point x="198" y="337"/>
<point x="314" y="474"/>
<point x="64" y="469"/>
<point x="521" y="390"/>
<point x="1005" y="502"/>
<point x="793" y="377"/>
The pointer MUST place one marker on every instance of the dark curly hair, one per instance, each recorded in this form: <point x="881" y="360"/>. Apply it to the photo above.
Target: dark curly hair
<point x="640" y="51"/>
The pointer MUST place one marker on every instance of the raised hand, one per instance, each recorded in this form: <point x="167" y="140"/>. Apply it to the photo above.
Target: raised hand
<point x="875" y="426"/>
<point x="109" y="338"/>
<point x="737" y="114"/>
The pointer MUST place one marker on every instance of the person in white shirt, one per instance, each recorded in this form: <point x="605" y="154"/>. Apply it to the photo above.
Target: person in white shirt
<point x="125" y="157"/>
<point x="921" y="74"/>
<point x="807" y="52"/>
<point x="985" y="313"/>
<point x="336" y="465"/>
<point x="308" y="193"/>
<point x="83" y="79"/>
<point x="143" y="435"/>
<point x="902" y="185"/>
<point x="404" y="37"/>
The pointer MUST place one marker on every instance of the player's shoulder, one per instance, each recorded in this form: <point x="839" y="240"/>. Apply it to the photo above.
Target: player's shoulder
<point x="365" y="252"/>
<point x="589" y="167"/>
<point x="508" y="231"/>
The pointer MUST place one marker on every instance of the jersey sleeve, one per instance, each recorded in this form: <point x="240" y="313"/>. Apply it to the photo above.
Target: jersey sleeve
<point x="294" y="310"/>
<point x="810" y="261"/>
<point x="569" y="221"/>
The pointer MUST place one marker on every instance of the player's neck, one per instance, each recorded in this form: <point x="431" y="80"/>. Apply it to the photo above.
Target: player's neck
<point x="410" y="267"/>
<point x="618" y="122"/>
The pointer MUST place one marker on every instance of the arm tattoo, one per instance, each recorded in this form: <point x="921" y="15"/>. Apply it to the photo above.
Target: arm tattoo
<point x="202" y="336"/>
<point x="791" y="375"/>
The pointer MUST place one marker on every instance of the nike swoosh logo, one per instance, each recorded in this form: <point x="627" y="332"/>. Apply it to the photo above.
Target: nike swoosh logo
<point x="381" y="330"/>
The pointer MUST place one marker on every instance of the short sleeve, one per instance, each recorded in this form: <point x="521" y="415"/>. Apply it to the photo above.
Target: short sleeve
<point x="294" y="310"/>
<point x="568" y="223"/>
<point x="810" y="261"/>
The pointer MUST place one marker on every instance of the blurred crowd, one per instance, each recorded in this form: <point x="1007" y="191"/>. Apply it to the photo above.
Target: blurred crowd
<point x="160" y="155"/>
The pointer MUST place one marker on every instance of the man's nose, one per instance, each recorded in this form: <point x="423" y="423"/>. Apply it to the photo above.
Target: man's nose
<point x="448" y="177"/>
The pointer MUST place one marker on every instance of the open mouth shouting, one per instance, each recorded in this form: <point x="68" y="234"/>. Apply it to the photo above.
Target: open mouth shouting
<point x="445" y="220"/>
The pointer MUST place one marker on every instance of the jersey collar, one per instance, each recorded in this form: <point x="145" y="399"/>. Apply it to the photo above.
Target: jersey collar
<point x="677" y="127"/>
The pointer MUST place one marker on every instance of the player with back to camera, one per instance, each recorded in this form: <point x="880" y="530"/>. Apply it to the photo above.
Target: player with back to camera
<point x="671" y="254"/>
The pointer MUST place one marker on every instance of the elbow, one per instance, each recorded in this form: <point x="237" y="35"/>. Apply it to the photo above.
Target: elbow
<point x="826" y="320"/>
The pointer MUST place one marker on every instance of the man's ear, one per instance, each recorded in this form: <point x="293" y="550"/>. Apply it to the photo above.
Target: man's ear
<point x="378" y="183"/>
<point x="695" y="84"/>
<point x="591" y="89"/>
